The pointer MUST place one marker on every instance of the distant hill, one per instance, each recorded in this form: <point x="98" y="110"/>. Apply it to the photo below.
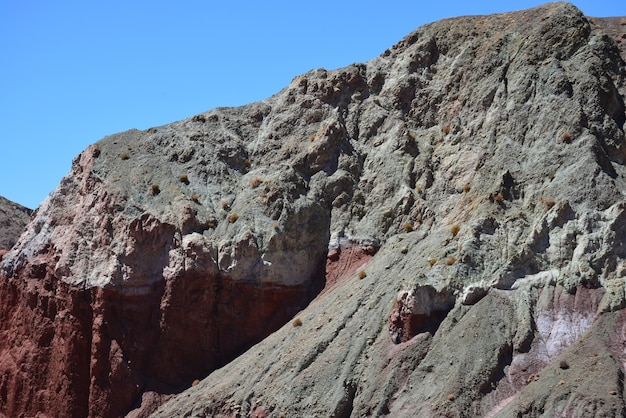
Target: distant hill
<point x="13" y="219"/>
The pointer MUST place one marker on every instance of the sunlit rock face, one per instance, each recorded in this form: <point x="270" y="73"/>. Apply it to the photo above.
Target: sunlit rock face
<point x="436" y="232"/>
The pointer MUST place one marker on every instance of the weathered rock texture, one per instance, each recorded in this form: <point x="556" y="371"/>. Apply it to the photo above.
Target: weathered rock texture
<point x="615" y="27"/>
<point x="13" y="220"/>
<point x="461" y="196"/>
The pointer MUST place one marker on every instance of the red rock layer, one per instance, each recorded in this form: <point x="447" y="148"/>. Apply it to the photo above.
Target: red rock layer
<point x="342" y="262"/>
<point x="71" y="352"/>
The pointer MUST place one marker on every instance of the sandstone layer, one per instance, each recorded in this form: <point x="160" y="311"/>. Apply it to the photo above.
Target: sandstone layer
<point x="459" y="198"/>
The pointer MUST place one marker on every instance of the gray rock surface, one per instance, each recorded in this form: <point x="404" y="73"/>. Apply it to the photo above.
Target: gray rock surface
<point x="13" y="220"/>
<point x="492" y="175"/>
<point x="483" y="157"/>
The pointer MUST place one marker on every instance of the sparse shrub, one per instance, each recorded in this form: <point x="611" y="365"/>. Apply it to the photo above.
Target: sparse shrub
<point x="547" y="201"/>
<point x="446" y="129"/>
<point x="566" y="137"/>
<point x="225" y="204"/>
<point x="275" y="225"/>
<point x="498" y="197"/>
<point x="184" y="178"/>
<point x="297" y="322"/>
<point x="195" y="382"/>
<point x="232" y="218"/>
<point x="362" y="274"/>
<point x="551" y="174"/>
<point x="195" y="197"/>
<point x="124" y="156"/>
<point x="451" y="397"/>
<point x="155" y="189"/>
<point x="451" y="260"/>
<point x="532" y="378"/>
<point x="312" y="138"/>
<point x="246" y="162"/>
<point x="255" y="182"/>
<point x="408" y="227"/>
<point x="467" y="187"/>
<point x="432" y="261"/>
<point x="418" y="188"/>
<point x="455" y="229"/>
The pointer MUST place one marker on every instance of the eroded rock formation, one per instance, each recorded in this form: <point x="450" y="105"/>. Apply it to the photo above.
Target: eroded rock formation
<point x="460" y="196"/>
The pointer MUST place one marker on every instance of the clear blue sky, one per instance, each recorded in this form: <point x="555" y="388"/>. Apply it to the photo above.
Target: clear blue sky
<point x="72" y="72"/>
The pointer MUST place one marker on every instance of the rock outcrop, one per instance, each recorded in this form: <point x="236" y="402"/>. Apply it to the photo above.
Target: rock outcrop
<point x="13" y="220"/>
<point x="460" y="200"/>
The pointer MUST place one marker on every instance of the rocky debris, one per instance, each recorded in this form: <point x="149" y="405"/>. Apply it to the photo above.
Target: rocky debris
<point x="13" y="220"/>
<point x="460" y="199"/>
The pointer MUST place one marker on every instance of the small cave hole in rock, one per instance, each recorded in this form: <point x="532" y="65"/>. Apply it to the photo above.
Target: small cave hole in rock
<point x="418" y="310"/>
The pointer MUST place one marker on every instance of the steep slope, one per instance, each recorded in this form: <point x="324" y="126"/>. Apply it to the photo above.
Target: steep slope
<point x="460" y="197"/>
<point x="518" y="206"/>
<point x="13" y="220"/>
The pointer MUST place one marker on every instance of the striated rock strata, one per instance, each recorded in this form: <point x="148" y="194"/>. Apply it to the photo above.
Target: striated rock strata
<point x="460" y="197"/>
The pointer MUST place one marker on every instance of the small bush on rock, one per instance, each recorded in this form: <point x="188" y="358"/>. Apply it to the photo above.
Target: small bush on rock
<point x="566" y="137"/>
<point x="255" y="182"/>
<point x="547" y="201"/>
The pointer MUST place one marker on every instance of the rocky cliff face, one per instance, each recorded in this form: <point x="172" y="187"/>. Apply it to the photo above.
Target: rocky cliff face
<point x="13" y="220"/>
<point x="460" y="200"/>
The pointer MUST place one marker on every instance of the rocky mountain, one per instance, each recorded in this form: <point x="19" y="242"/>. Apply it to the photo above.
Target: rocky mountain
<point x="436" y="232"/>
<point x="13" y="220"/>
